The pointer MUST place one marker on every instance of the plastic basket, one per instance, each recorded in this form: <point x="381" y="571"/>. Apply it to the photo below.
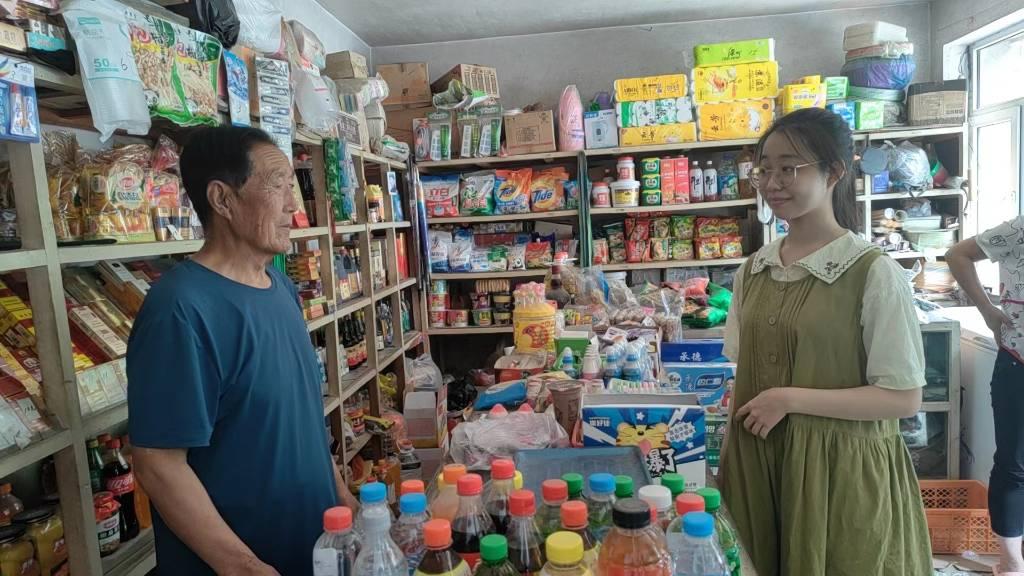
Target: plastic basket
<point x="957" y="514"/>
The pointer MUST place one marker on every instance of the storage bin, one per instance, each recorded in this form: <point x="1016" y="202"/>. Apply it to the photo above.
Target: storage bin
<point x="957" y="515"/>
<point x="931" y="240"/>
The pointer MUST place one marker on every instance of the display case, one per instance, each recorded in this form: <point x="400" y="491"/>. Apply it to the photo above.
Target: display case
<point x="933" y="435"/>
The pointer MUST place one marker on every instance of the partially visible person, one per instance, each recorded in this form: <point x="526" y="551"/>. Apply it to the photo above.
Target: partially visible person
<point x="225" y="409"/>
<point x="1003" y="245"/>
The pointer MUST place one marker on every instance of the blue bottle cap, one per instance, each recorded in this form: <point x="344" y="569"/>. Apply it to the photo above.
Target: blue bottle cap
<point x="412" y="504"/>
<point x="602" y="483"/>
<point x="373" y="493"/>
<point x="698" y="524"/>
<point x="632" y="357"/>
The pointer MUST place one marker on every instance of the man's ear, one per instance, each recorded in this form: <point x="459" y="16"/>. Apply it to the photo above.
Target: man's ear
<point x="220" y="196"/>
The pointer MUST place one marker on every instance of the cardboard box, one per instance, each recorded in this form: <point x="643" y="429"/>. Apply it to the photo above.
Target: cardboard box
<point x="426" y="418"/>
<point x="661" y="134"/>
<point x="712" y="382"/>
<point x="668" y="428"/>
<point x="697" y="350"/>
<point x="937" y="103"/>
<point x="650" y="87"/>
<point x="408" y="83"/>
<point x="401" y="122"/>
<point x="837" y="87"/>
<point x="530" y="133"/>
<point x="347" y="64"/>
<point x="12" y="38"/>
<point x="474" y="76"/>
<point x="735" y="82"/>
<point x="714" y="437"/>
<point x="798" y="96"/>
<point x="731" y="120"/>
<point x="738" y="52"/>
<point x="599" y="129"/>
<point x="869" y="114"/>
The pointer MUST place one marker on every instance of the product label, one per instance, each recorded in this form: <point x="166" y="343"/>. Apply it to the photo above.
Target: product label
<point x="29" y="567"/>
<point x="461" y="570"/>
<point x="471" y="558"/>
<point x="326" y="563"/>
<point x="744" y="169"/>
<point x="108" y="533"/>
<point x="121" y="485"/>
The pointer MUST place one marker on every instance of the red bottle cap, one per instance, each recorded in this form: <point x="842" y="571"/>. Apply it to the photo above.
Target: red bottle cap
<point x="689" y="503"/>
<point x="411" y="487"/>
<point x="503" y="469"/>
<point x="554" y="489"/>
<point x="337" y="519"/>
<point x="437" y="533"/>
<point x="522" y="503"/>
<point x="452" y="473"/>
<point x="574" y="514"/>
<point x="115" y="444"/>
<point x="470" y="485"/>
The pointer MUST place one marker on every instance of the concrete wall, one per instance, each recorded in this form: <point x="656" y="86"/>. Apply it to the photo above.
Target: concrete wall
<point x="332" y="32"/>
<point x="956" y="23"/>
<point x="537" y="67"/>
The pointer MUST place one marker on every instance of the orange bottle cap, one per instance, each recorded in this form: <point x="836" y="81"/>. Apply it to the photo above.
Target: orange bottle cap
<point x="452" y="473"/>
<point x="503" y="469"/>
<point x="554" y="489"/>
<point x="437" y="533"/>
<point x="574" y="514"/>
<point x="470" y="485"/>
<point x="411" y="487"/>
<point x="689" y="502"/>
<point x="337" y="519"/>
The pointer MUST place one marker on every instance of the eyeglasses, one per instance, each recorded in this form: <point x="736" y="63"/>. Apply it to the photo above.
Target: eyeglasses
<point x="784" y="177"/>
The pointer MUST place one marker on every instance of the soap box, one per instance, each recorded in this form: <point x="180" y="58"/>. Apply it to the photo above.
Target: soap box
<point x="668" y="428"/>
<point x="736" y="82"/>
<point x="599" y="129"/>
<point x="697" y="350"/>
<point x="660" y="134"/>
<point x="869" y="114"/>
<point x="738" y="52"/>
<point x="731" y="120"/>
<point x="712" y="382"/>
<point x="650" y="87"/>
<point x="798" y="96"/>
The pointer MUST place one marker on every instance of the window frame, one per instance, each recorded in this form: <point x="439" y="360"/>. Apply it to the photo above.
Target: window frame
<point x="974" y="52"/>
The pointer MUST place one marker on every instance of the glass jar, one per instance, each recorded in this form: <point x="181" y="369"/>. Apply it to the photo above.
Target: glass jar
<point x="17" y="555"/>
<point x="46" y="531"/>
<point x="108" y="522"/>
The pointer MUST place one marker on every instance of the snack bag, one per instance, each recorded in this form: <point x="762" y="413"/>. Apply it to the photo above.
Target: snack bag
<point x="600" y="251"/>
<point x="638" y="229"/>
<point x="708" y="248"/>
<point x="517" y="257"/>
<point x="512" y="191"/>
<point x="497" y="257"/>
<point x="479" y="260"/>
<point x="477" y="193"/>
<point x="681" y="249"/>
<point x="637" y="250"/>
<point x="538" y="255"/>
<point x="660" y="227"/>
<point x="617" y="254"/>
<point x="615" y="234"/>
<point x="706" y="227"/>
<point x="681" y="227"/>
<point x="441" y="194"/>
<point x="659" y="249"/>
<point x="728" y="227"/>
<point x="731" y="246"/>
<point x="547" y="191"/>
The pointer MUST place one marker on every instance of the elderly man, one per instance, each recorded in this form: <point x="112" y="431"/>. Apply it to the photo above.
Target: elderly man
<point x="225" y="410"/>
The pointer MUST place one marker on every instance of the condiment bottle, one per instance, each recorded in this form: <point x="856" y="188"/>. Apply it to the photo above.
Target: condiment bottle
<point x="440" y="559"/>
<point x="503" y="473"/>
<point x="553" y="492"/>
<point x="525" y="543"/>
<point x="575" y="519"/>
<point x="471" y="522"/>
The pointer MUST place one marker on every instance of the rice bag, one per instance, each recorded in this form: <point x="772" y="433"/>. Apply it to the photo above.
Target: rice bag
<point x="440" y="245"/>
<point x="659" y="249"/>
<point x="638" y="229"/>
<point x="660" y="227"/>
<point x="497" y="257"/>
<point x="681" y="227"/>
<point x="600" y="255"/>
<point x="441" y="195"/>
<point x="460" y="255"/>
<point x="512" y="191"/>
<point x="538" y="255"/>
<point x="731" y="246"/>
<point x="708" y="248"/>
<point x="728" y="227"/>
<point x="617" y="254"/>
<point x="615" y="234"/>
<point x="706" y="227"/>
<point x="681" y="249"/>
<point x="517" y="257"/>
<point x="477" y="193"/>
<point x="637" y="250"/>
<point x="547" y="191"/>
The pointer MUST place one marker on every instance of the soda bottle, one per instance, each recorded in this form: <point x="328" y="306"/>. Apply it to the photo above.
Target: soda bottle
<point x="10" y="505"/>
<point x="92" y="452"/>
<point x="698" y="553"/>
<point x="631" y="547"/>
<point x="372" y="496"/>
<point x="336" y="550"/>
<point x="685" y="503"/>
<point x="408" y="530"/>
<point x="565" y="556"/>
<point x="379" y="555"/>
<point x="503" y="472"/>
<point x="446" y="504"/>
<point x="599" y="504"/>
<point x="119" y="481"/>
<point x="494" y="557"/>
<point x="574" y="483"/>
<point x="574" y="519"/>
<point x="440" y="559"/>
<point x="553" y="493"/>
<point x="525" y="543"/>
<point x="411" y="487"/>
<point x="471" y="522"/>
<point x="727" y="540"/>
<point x="675" y="483"/>
<point x="661" y="498"/>
<point x="623" y="487"/>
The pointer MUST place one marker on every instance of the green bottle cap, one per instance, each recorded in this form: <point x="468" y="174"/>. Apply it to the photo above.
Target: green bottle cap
<point x="493" y="548"/>
<point x="674" y="482"/>
<point x="575" y="483"/>
<point x="712" y="498"/>
<point x="623" y="487"/>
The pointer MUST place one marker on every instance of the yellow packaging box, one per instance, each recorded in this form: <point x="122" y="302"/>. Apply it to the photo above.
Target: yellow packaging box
<point x="797" y="96"/>
<point x="650" y="87"/>
<point x="815" y="79"/>
<point x="660" y="134"/>
<point x="733" y="120"/>
<point x="735" y="82"/>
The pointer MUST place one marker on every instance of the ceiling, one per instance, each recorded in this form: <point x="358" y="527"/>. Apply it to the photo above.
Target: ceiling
<point x="391" y="22"/>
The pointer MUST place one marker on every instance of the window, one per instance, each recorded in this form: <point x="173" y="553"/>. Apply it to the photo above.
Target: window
<point x="998" y="71"/>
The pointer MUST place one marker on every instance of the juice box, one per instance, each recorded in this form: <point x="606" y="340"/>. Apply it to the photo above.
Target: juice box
<point x="650" y="87"/>
<point x="738" y="52"/>
<point x="732" y="120"/>
<point x="735" y="82"/>
<point x="661" y="134"/>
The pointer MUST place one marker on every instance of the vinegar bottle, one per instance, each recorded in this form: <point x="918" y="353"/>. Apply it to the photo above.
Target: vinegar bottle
<point x="630" y="546"/>
<point x="549" y="517"/>
<point x="471" y="522"/>
<point x="525" y="543"/>
<point x="440" y="559"/>
<point x="503" y="472"/>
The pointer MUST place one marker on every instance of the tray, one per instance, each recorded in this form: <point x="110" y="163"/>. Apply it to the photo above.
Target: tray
<point x="540" y="465"/>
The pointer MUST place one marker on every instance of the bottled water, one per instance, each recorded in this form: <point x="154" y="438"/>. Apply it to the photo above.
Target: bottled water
<point x="697" y="553"/>
<point x="335" y="551"/>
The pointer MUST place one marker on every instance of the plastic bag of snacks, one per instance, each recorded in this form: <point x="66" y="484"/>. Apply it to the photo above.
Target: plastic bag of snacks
<point x="477" y="193"/>
<point x="707" y="227"/>
<point x="681" y="227"/>
<point x="728" y="227"/>
<point x="600" y="251"/>
<point x="732" y="246"/>
<point x="517" y="257"/>
<point x="538" y="255"/>
<point x="62" y="155"/>
<point x="681" y="249"/>
<point x="512" y="191"/>
<point x="708" y="248"/>
<point x="441" y="194"/>
<point x="114" y="199"/>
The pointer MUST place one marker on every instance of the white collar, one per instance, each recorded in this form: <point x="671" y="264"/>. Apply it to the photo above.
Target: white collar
<point x="827" y="264"/>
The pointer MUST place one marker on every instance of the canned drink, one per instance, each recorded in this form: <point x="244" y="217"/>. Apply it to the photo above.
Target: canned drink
<point x="650" y="166"/>
<point x="438" y="302"/>
<point x="437" y="318"/>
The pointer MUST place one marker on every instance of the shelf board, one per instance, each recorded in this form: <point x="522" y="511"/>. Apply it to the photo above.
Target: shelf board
<point x="133" y="558"/>
<point x="353" y="381"/>
<point x="13" y="459"/>
<point x="385" y="292"/>
<point x="105" y="419"/>
<point x="80" y="254"/>
<point x="533" y="273"/>
<point x="388" y="356"/>
<point x="908" y="132"/>
<point x="469" y="330"/>
<point x="677" y="146"/>
<point x="696" y="207"/>
<point x="493" y="160"/>
<point x="672" y="264"/>
<point x="351" y="306"/>
<point x="299" y="233"/>
<point x="411" y="339"/>
<point x="318" y="323"/>
<point x="408" y="282"/>
<point x="360" y="442"/>
<point x="553" y="215"/>
<point x="307" y="137"/>
<point x="349" y="228"/>
<point x="389" y="225"/>
<point x="935" y="193"/>
<point x="703" y="333"/>
<point x="371" y="157"/>
<point x="909" y="255"/>
<point x="331" y="403"/>
<point x="21" y="259"/>
<point x="935" y="406"/>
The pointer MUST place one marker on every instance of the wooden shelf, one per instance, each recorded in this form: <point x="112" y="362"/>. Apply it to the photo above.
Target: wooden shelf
<point x="412" y="339"/>
<point x="353" y="381"/>
<point x="299" y="233"/>
<point x="533" y="273"/>
<point x="97" y="252"/>
<point x="910" y="132"/>
<point x="331" y="403"/>
<point x="696" y="207"/>
<point x="407" y="283"/>
<point x="21" y="259"/>
<point x="106" y="419"/>
<point x="360" y="442"/>
<point x="935" y="193"/>
<point x="679" y="146"/>
<point x="497" y="160"/>
<point x="351" y="306"/>
<point x="349" y="228"/>
<point x="371" y="157"/>
<point x="553" y="215"/>
<point x="389" y="225"/>
<point x="318" y="323"/>
<point x="135" y="557"/>
<point x="388" y="356"/>
<point x="672" y="264"/>
<point x="385" y="292"/>
<point x="13" y="459"/>
<point x="469" y="330"/>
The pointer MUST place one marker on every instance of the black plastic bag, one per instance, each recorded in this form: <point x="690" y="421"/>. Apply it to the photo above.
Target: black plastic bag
<point x="215" y="17"/>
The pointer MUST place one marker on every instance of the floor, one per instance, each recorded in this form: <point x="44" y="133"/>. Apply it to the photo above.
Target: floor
<point x="968" y="564"/>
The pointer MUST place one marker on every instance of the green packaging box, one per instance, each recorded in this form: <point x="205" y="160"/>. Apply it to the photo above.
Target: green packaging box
<point x="836" y="87"/>
<point x="869" y="114"/>
<point x="739" y="52"/>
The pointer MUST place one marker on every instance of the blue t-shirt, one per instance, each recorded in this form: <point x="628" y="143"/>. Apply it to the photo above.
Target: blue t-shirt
<point x="228" y="372"/>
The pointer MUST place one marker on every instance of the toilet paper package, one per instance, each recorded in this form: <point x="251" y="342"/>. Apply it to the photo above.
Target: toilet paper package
<point x="732" y="120"/>
<point x="650" y="87"/>
<point x="653" y="112"/>
<point x="735" y="82"/>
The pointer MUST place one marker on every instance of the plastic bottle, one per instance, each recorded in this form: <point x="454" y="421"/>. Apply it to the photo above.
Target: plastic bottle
<point x="727" y="540"/>
<point x="684" y="503"/>
<point x="517" y="481"/>
<point x="575" y="519"/>
<point x="494" y="557"/>
<point x="95" y="458"/>
<point x="600" y="502"/>
<point x="10" y="505"/>
<point x="698" y="553"/>
<point x="471" y="522"/>
<point x="440" y="559"/>
<point x="661" y="498"/>
<point x="565" y="556"/>
<point x="630" y="546"/>
<point x="408" y="530"/>
<point x="373" y="495"/>
<point x="119" y="481"/>
<point x="696" y="182"/>
<point x="411" y="487"/>
<point x="553" y="492"/>
<point x="568" y="366"/>
<point x="503" y="472"/>
<point x="379" y="555"/>
<point x="675" y="483"/>
<point x="611" y="367"/>
<point x="591" y="369"/>
<point x="446" y="504"/>
<point x="623" y="487"/>
<point x="574" y="484"/>
<point x="710" y="182"/>
<point x="335" y="551"/>
<point x="525" y="543"/>
<point x="631" y="371"/>
<point x="744" y="166"/>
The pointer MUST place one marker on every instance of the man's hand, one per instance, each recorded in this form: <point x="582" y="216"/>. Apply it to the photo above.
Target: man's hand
<point x="253" y="568"/>
<point x="765" y="411"/>
<point x="995" y="319"/>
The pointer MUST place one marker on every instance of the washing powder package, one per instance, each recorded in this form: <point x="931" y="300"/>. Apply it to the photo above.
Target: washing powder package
<point x="735" y="82"/>
<point x="731" y="120"/>
<point x="653" y="112"/>
<point x="650" y="87"/>
<point x="661" y="134"/>
<point x="738" y="52"/>
<point x="669" y="429"/>
<point x="599" y="129"/>
<point x="697" y="350"/>
<point x="712" y="382"/>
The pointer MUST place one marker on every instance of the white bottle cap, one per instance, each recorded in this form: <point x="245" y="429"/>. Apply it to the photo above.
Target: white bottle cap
<point x="657" y="495"/>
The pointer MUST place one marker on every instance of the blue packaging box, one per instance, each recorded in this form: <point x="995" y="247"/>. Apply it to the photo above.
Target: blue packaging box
<point x="712" y="382"/>
<point x="703" y="350"/>
<point x="880" y="182"/>
<point x="669" y="429"/>
<point x="845" y="110"/>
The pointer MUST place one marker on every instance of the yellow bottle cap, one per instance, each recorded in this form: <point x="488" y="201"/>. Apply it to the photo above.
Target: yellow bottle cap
<point x="565" y="548"/>
<point x="517" y="481"/>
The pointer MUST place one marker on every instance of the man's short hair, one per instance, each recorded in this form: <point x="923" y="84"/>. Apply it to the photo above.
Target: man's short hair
<point x="217" y="153"/>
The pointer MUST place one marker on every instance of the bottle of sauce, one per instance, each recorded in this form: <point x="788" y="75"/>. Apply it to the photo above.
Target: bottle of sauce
<point x="10" y="505"/>
<point x="575" y="520"/>
<point x="503" y="472"/>
<point x="119" y="481"/>
<point x="494" y="557"/>
<point x="440" y="559"/>
<point x="471" y="522"/>
<point x="630" y="547"/>
<point x="744" y="165"/>
<point x="549" y="518"/>
<point x="525" y="543"/>
<point x="565" y="556"/>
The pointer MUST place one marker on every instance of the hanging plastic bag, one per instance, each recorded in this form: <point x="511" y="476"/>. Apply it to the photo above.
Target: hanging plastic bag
<point x="908" y="165"/>
<point x="110" y="78"/>
<point x="215" y="17"/>
<point x="423" y="374"/>
<point x="317" y="103"/>
<point x="259" y="24"/>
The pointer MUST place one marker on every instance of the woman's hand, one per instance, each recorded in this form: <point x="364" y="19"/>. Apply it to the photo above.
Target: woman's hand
<point x="995" y="319"/>
<point x="765" y="411"/>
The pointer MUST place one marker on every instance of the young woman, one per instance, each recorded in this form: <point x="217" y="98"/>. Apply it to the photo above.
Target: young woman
<point x="829" y="357"/>
<point x="1003" y="244"/>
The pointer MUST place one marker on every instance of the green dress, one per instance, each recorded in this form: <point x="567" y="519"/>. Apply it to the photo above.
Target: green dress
<point x="818" y="496"/>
